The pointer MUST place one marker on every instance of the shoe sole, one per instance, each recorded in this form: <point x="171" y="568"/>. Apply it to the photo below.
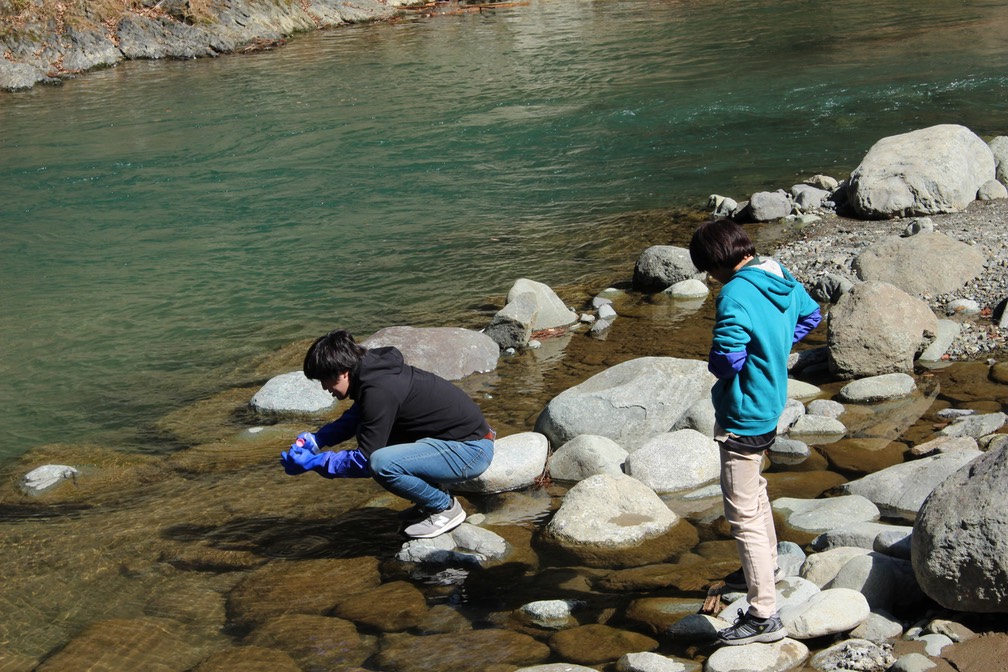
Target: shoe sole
<point x="447" y="527"/>
<point x="763" y="637"/>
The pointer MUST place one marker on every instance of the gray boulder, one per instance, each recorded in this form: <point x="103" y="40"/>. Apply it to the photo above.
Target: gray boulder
<point x="291" y="393"/>
<point x="830" y="287"/>
<point x="900" y="490"/>
<point x="806" y="197"/>
<point x="927" y="264"/>
<point x="609" y="510"/>
<point x="661" y="266"/>
<point x="586" y="455"/>
<point x="885" y="582"/>
<point x="518" y="462"/>
<point x="999" y="147"/>
<point x="878" y="328"/>
<point x="929" y="171"/>
<point x="786" y="654"/>
<point x="975" y="426"/>
<point x="768" y="206"/>
<point x="992" y="190"/>
<point x="675" y="461"/>
<point x="960" y="538"/>
<point x="819" y="515"/>
<point x="878" y="388"/>
<point x="628" y="403"/>
<point x="530" y="307"/>
<point x="860" y="534"/>
<point x="829" y="612"/>
<point x="450" y="352"/>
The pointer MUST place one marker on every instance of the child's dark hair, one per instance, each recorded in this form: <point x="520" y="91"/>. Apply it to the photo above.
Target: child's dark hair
<point x="720" y="244"/>
<point x="330" y="355"/>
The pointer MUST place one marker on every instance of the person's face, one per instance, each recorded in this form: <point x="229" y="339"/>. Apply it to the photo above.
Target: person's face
<point x="337" y="386"/>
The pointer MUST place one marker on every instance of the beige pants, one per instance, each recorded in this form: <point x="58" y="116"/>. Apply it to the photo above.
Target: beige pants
<point x="747" y="510"/>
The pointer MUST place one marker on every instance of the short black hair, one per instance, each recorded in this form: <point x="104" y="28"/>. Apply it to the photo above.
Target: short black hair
<point x="720" y="243"/>
<point x="331" y="355"/>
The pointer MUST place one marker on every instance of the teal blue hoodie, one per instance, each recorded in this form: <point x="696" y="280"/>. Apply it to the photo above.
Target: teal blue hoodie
<point x="761" y="311"/>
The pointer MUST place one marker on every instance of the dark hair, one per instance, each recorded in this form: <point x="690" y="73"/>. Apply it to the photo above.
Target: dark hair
<point x="330" y="355"/>
<point x="720" y="244"/>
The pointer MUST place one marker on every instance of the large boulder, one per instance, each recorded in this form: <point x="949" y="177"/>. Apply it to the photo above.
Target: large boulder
<point x="661" y="266"/>
<point x="531" y="307"/>
<point x="676" y="461"/>
<point x="518" y="462"/>
<point x="999" y="147"/>
<point x="900" y="490"/>
<point x="628" y="403"/>
<point x="928" y="171"/>
<point x="450" y="352"/>
<point x="960" y="538"/>
<point x="586" y="455"/>
<point x="927" y="264"/>
<point x="291" y="393"/>
<point x="877" y="328"/>
<point x="614" y="520"/>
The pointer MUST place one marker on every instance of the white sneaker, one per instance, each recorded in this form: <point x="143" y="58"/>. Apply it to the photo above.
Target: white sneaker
<point x="437" y="523"/>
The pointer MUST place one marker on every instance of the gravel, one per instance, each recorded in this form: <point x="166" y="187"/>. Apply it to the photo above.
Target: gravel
<point x="831" y="244"/>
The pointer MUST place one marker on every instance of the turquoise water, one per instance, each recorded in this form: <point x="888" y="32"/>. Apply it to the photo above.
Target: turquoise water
<point x="164" y="223"/>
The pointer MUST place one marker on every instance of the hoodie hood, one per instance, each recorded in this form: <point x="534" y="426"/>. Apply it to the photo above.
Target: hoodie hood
<point x="375" y="363"/>
<point x="771" y="279"/>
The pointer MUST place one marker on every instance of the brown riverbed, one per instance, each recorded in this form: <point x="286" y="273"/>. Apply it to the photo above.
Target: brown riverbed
<point x="159" y="562"/>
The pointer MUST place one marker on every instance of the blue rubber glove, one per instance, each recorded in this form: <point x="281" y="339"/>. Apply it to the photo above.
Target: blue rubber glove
<point x="306" y="440"/>
<point x="299" y="460"/>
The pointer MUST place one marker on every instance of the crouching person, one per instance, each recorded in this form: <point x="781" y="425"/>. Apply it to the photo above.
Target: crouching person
<point x="416" y="432"/>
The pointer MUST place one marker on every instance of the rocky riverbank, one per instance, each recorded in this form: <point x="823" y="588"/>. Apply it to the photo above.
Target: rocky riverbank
<point x="888" y="491"/>
<point x="50" y="42"/>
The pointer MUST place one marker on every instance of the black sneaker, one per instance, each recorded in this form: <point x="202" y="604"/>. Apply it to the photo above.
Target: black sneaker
<point x="749" y="629"/>
<point x="736" y="580"/>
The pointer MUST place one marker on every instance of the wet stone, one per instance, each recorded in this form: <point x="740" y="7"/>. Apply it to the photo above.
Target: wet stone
<point x="687" y="578"/>
<point x="391" y="607"/>
<point x="248" y="659"/>
<point x="150" y="644"/>
<point x="441" y="619"/>
<point x="592" y="644"/>
<point x="477" y="651"/>
<point x="304" y="587"/>
<point x="652" y="662"/>
<point x="658" y="613"/>
<point x="315" y="643"/>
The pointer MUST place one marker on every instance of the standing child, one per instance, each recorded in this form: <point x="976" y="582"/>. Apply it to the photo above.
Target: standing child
<point x="760" y="312"/>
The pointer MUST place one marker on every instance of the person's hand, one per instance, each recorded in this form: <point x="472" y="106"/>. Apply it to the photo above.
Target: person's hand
<point x="306" y="440"/>
<point x="301" y="458"/>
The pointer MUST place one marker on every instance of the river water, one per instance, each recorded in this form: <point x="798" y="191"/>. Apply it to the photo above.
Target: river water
<point x="174" y="231"/>
<point x="166" y="221"/>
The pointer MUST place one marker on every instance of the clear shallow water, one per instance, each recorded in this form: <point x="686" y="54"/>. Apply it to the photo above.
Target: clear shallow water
<point x="164" y="223"/>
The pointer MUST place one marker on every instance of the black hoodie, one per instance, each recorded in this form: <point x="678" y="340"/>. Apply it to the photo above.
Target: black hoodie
<point x="397" y="403"/>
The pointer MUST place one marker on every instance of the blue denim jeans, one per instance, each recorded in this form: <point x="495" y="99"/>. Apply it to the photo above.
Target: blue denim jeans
<point x="414" y="470"/>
